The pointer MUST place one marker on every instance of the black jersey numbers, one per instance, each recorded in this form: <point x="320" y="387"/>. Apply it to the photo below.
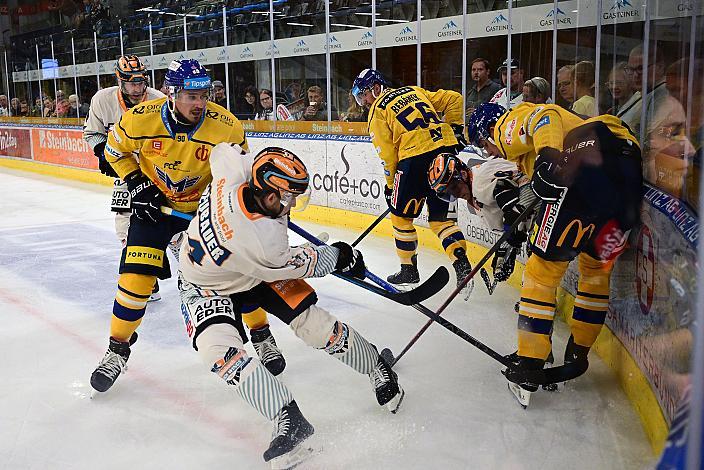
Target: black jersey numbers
<point x="427" y="116"/>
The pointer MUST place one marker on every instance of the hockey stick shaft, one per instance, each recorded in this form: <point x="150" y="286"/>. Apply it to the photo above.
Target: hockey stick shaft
<point x="371" y="227"/>
<point x="175" y="213"/>
<point x="473" y="272"/>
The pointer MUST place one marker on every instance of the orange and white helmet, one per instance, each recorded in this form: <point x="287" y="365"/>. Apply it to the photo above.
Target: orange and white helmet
<point x="279" y="171"/>
<point x="128" y="68"/>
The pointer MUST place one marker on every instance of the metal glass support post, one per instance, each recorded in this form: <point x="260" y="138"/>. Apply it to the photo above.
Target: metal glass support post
<point x="75" y="77"/>
<point x="327" y="61"/>
<point x="227" y="67"/>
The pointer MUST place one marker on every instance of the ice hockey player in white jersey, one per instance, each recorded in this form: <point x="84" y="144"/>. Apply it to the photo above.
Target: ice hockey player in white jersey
<point x="237" y="252"/>
<point x="106" y="108"/>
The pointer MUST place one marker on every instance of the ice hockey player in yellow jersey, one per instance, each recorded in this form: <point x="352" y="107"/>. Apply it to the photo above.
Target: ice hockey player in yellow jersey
<point x="407" y="132"/>
<point x="173" y="138"/>
<point x="588" y="175"/>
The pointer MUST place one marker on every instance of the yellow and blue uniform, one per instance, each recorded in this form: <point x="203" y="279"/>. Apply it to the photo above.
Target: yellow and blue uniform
<point x="176" y="158"/>
<point x="407" y="132"/>
<point x="602" y="161"/>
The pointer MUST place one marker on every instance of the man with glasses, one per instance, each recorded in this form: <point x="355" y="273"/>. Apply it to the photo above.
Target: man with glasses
<point x="161" y="149"/>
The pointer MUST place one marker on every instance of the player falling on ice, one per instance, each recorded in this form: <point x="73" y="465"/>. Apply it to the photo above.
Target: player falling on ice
<point x="173" y="138"/>
<point x="588" y="175"/>
<point x="407" y="134"/>
<point x="238" y="253"/>
<point x="106" y="108"/>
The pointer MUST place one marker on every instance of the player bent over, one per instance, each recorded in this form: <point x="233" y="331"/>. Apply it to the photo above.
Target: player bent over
<point x="588" y="175"/>
<point x="106" y="108"/>
<point x="407" y="134"/>
<point x="172" y="139"/>
<point x="237" y="252"/>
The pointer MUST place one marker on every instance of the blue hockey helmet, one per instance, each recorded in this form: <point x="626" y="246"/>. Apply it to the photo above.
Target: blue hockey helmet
<point x="366" y="79"/>
<point x="482" y="121"/>
<point x="187" y="74"/>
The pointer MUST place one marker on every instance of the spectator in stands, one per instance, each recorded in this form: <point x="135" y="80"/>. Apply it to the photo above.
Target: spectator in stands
<point x="583" y="81"/>
<point x="4" y="108"/>
<point x="24" y="109"/>
<point x="516" y="84"/>
<point x="317" y="109"/>
<point x="77" y="110"/>
<point x="164" y="89"/>
<point x="15" y="107"/>
<point x="37" y="108"/>
<point x="49" y="108"/>
<point x="252" y="106"/>
<point x="355" y="112"/>
<point x="619" y="87"/>
<point x="60" y="95"/>
<point x="63" y="109"/>
<point x="565" y="86"/>
<point x="219" y="94"/>
<point x="267" y="112"/>
<point x="484" y="88"/>
<point x="536" y="90"/>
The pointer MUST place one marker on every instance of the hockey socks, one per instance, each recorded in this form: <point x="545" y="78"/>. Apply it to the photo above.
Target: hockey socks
<point x="133" y="291"/>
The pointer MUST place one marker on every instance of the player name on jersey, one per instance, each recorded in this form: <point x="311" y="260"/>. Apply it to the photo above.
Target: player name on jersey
<point x="205" y="226"/>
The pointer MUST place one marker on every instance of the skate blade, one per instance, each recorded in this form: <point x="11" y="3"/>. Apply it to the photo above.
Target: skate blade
<point x="295" y="457"/>
<point x="155" y="297"/>
<point x="522" y="396"/>
<point x="395" y="403"/>
<point x="94" y="393"/>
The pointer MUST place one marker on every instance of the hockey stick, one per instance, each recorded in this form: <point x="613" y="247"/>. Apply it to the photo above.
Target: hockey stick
<point x="466" y="280"/>
<point x="371" y="227"/>
<point x="427" y="289"/>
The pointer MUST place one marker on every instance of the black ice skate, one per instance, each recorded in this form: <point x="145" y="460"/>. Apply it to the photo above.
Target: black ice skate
<point x="385" y="381"/>
<point x="112" y="364"/>
<point x="462" y="269"/>
<point x="523" y="390"/>
<point x="286" y="449"/>
<point x="155" y="295"/>
<point x="575" y="352"/>
<point x="267" y="350"/>
<point x="407" y="275"/>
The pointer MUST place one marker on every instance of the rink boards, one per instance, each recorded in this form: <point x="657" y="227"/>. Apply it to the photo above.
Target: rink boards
<point x="652" y="286"/>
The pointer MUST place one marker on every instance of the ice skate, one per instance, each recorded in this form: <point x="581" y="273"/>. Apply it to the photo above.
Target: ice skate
<point x="462" y="269"/>
<point x="112" y="364"/>
<point x="155" y="295"/>
<point x="267" y="350"/>
<point x="292" y="429"/>
<point x="385" y="381"/>
<point x="523" y="390"/>
<point x="407" y="275"/>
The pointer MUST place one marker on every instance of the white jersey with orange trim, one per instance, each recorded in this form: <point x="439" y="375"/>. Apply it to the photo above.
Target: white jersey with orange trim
<point x="484" y="177"/>
<point x="229" y="249"/>
<point x="106" y="108"/>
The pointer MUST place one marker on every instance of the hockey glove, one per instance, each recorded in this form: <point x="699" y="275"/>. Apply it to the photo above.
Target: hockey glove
<point x="146" y="197"/>
<point x="507" y="196"/>
<point x="544" y="183"/>
<point x="388" y="195"/>
<point x="610" y="241"/>
<point x="350" y="261"/>
<point x="504" y="261"/>
<point x="103" y="164"/>
<point x="458" y="130"/>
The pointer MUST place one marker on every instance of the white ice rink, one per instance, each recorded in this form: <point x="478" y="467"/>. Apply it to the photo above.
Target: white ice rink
<point x="58" y="265"/>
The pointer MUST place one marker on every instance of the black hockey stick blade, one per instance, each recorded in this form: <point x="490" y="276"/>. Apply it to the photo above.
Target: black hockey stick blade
<point x="490" y="285"/>
<point x="427" y="289"/>
<point x="550" y="375"/>
<point x="388" y="356"/>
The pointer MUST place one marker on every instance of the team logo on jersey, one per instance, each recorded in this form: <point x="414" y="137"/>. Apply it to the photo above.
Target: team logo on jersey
<point x="178" y="186"/>
<point x="509" y="131"/>
<point x="545" y="120"/>
<point x="202" y="153"/>
<point x="156" y="144"/>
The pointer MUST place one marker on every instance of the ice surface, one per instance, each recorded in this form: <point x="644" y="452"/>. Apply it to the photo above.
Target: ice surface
<point x="58" y="265"/>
